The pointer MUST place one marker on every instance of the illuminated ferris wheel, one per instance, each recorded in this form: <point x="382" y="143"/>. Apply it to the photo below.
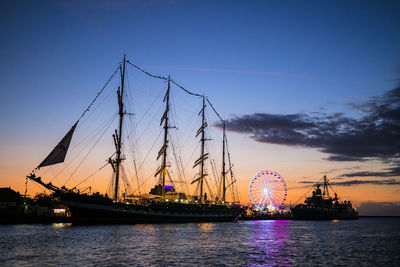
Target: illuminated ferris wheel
<point x="267" y="190"/>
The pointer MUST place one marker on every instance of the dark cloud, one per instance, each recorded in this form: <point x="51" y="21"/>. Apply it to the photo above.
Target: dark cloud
<point x="340" y="170"/>
<point x="306" y="182"/>
<point x="395" y="171"/>
<point x="358" y="182"/>
<point x="374" y="182"/>
<point x="379" y="209"/>
<point x="375" y="135"/>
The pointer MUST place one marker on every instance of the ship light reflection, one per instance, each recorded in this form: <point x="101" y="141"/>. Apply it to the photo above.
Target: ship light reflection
<point x="206" y="227"/>
<point x="61" y="225"/>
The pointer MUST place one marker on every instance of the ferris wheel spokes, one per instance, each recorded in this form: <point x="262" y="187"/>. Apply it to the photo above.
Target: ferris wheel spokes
<point x="267" y="190"/>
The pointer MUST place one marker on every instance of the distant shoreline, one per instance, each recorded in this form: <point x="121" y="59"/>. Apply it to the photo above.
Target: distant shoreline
<point x="378" y="216"/>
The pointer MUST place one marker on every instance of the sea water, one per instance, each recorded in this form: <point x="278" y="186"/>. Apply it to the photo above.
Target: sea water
<point x="363" y="242"/>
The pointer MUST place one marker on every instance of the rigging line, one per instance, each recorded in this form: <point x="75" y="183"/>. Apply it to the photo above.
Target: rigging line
<point x="132" y="149"/>
<point x="181" y="172"/>
<point x="302" y="197"/>
<point x="184" y="176"/>
<point x="215" y="176"/>
<point x="170" y="179"/>
<point x="229" y="159"/>
<point x="162" y="78"/>
<point x="233" y="187"/>
<point x="174" y="137"/>
<point x="148" y="73"/>
<point x="209" y="189"/>
<point x="99" y="127"/>
<point x="39" y="187"/>
<point x="211" y="144"/>
<point x="145" y="130"/>
<point x="174" y="153"/>
<point x="209" y="102"/>
<point x="144" y="182"/>
<point x="191" y="158"/>
<point x="196" y="190"/>
<point x="237" y="194"/>
<point x="128" y="188"/>
<point x="186" y="90"/>
<point x="98" y="94"/>
<point x="98" y="105"/>
<point x="72" y="150"/>
<point x="149" y="108"/>
<point x="110" y="185"/>
<point x="133" y="139"/>
<point x="151" y="148"/>
<point x="188" y="132"/>
<point x="133" y="159"/>
<point x="90" y="150"/>
<point x="343" y="196"/>
<point x="93" y="173"/>
<point x="127" y="170"/>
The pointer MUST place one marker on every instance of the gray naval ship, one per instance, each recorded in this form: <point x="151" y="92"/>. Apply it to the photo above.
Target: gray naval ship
<point x="321" y="206"/>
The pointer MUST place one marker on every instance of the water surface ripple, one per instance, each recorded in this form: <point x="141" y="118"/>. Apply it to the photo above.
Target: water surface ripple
<point x="366" y="242"/>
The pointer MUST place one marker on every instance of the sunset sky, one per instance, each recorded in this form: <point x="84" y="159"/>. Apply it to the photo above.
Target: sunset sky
<point x="308" y="88"/>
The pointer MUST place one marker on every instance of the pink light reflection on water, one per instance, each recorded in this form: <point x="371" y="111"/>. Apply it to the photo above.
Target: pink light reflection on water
<point x="269" y="243"/>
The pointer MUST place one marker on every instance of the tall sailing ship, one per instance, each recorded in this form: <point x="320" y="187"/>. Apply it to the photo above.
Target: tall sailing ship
<point x="163" y="203"/>
<point x="321" y="206"/>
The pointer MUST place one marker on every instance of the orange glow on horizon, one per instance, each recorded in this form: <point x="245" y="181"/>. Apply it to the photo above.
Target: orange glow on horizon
<point x="295" y="191"/>
<point x="293" y="164"/>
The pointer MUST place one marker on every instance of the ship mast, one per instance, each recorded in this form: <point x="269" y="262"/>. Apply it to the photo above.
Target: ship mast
<point x="163" y="151"/>
<point x="203" y="155"/>
<point x="118" y="135"/>
<point x="223" y="163"/>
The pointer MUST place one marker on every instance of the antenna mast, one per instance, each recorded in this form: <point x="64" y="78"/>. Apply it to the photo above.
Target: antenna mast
<point x="118" y="135"/>
<point x="326" y="192"/>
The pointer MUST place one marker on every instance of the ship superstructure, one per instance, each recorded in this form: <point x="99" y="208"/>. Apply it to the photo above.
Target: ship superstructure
<point x="321" y="206"/>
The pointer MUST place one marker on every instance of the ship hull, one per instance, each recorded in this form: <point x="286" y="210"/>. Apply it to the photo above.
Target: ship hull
<point x="322" y="214"/>
<point x="119" y="213"/>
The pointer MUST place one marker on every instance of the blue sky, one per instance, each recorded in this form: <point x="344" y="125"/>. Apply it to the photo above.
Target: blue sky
<point x="278" y="57"/>
<point x="316" y="51"/>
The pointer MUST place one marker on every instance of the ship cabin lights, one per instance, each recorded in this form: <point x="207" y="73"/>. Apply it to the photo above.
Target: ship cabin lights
<point x="59" y="211"/>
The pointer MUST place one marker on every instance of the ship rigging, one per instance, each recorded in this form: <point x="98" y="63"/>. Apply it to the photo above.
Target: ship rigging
<point x="157" y="205"/>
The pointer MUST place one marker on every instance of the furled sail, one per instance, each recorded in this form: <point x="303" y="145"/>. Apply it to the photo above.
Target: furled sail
<point x="60" y="151"/>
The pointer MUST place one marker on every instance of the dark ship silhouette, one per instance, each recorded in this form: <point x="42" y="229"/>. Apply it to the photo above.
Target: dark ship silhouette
<point x="320" y="206"/>
<point x="163" y="204"/>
